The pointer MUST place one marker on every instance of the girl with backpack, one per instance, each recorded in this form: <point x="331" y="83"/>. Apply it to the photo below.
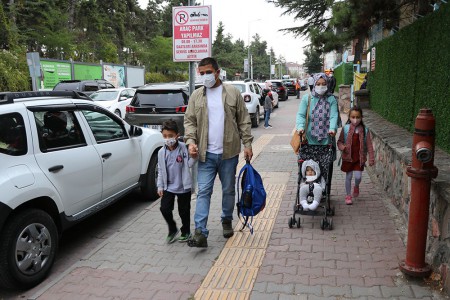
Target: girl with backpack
<point x="355" y="143"/>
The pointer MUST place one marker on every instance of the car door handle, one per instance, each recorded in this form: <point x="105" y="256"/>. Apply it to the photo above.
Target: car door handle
<point x="55" y="168"/>
<point x="106" y="155"/>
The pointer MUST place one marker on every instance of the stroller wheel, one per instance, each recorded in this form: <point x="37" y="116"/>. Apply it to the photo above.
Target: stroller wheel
<point x="330" y="211"/>
<point x="291" y="222"/>
<point x="298" y="222"/>
<point x="322" y="224"/>
<point x="330" y="223"/>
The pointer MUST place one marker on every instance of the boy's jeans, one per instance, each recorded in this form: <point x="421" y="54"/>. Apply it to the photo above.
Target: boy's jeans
<point x="267" y="118"/>
<point x="207" y="172"/>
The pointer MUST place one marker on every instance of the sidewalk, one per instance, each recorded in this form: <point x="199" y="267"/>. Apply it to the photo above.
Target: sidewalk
<point x="358" y="259"/>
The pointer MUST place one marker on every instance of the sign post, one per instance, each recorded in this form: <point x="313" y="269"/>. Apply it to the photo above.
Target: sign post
<point x="191" y="36"/>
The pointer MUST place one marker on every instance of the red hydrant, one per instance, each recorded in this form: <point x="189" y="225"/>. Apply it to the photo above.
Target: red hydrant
<point x="421" y="172"/>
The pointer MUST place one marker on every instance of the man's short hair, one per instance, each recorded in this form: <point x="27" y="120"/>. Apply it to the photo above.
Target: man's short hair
<point x="209" y="61"/>
<point x="170" y="125"/>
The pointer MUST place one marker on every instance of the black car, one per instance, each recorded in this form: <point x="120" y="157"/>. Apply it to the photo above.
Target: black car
<point x="155" y="103"/>
<point x="280" y="88"/>
<point x="290" y="86"/>
<point x="85" y="86"/>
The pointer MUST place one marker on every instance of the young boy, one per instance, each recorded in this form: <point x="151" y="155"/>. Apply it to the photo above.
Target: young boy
<point x="311" y="171"/>
<point x="174" y="179"/>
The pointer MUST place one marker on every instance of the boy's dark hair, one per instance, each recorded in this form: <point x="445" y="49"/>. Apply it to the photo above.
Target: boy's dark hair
<point x="170" y="125"/>
<point x="209" y="61"/>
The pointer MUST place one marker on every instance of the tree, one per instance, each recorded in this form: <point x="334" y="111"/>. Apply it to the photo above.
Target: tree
<point x="331" y="24"/>
<point x="313" y="62"/>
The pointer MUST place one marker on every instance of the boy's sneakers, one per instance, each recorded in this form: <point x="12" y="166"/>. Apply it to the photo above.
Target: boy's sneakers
<point x="198" y="240"/>
<point x="227" y="229"/>
<point x="348" y="200"/>
<point x="184" y="237"/>
<point x="355" y="191"/>
<point x="172" y="237"/>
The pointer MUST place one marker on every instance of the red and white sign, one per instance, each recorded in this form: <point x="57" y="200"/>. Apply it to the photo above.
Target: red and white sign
<point x="191" y="32"/>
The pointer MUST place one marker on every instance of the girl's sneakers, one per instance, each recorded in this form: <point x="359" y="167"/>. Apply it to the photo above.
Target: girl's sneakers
<point x="348" y="200"/>
<point x="355" y="191"/>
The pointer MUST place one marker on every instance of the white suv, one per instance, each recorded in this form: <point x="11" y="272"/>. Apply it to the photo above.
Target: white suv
<point x="62" y="159"/>
<point x="252" y="93"/>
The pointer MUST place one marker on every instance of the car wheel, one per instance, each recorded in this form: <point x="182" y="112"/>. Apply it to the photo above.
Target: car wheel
<point x="117" y="112"/>
<point x="149" y="186"/>
<point x="28" y="248"/>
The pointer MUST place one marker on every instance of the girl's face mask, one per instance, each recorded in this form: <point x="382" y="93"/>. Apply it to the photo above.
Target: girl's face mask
<point x="355" y="121"/>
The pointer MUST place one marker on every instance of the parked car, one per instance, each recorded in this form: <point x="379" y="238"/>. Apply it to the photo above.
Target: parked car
<point x="85" y="86"/>
<point x="155" y="103"/>
<point x="114" y="100"/>
<point x="252" y="93"/>
<point x="290" y="86"/>
<point x="280" y="88"/>
<point x="274" y="94"/>
<point x="62" y="159"/>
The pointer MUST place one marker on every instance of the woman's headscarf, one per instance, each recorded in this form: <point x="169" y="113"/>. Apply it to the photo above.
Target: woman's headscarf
<point x="320" y="117"/>
<point x="316" y="78"/>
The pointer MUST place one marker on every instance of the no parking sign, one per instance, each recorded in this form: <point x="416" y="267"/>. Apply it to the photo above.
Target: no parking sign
<point x="191" y="33"/>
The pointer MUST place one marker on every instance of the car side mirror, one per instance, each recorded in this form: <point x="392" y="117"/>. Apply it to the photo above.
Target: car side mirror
<point x="122" y="98"/>
<point x="135" y="131"/>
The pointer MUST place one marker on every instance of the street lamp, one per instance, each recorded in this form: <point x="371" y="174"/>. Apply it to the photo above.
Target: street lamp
<point x="250" y="63"/>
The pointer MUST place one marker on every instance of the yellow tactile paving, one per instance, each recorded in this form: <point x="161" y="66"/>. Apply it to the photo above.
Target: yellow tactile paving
<point x="236" y="268"/>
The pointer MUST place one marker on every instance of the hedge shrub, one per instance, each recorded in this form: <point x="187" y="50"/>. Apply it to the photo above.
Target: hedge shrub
<point x="411" y="73"/>
<point x="343" y="74"/>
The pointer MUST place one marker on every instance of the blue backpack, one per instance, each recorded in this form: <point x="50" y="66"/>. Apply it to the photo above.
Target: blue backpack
<point x="252" y="198"/>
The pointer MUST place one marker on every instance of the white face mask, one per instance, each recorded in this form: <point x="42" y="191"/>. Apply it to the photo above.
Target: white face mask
<point x="355" y="121"/>
<point x="209" y="80"/>
<point x="321" y="90"/>
<point x="310" y="178"/>
<point x="170" y="142"/>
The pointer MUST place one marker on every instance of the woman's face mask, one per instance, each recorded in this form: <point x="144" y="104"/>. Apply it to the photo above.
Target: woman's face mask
<point x="209" y="80"/>
<point x="320" y="89"/>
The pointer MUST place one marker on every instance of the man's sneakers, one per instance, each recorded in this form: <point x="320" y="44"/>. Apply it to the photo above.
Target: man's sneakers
<point x="172" y="237"/>
<point x="268" y="127"/>
<point x="198" y="240"/>
<point x="227" y="229"/>
<point x="184" y="237"/>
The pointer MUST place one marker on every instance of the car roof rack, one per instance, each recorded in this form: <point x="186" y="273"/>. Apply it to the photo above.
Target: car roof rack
<point x="8" y="97"/>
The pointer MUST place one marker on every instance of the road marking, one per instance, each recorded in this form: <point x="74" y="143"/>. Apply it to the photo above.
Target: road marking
<point x="235" y="270"/>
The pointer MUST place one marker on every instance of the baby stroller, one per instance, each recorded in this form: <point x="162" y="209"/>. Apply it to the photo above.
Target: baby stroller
<point x="323" y="155"/>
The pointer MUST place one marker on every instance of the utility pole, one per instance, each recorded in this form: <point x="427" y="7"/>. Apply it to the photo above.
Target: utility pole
<point x="191" y="65"/>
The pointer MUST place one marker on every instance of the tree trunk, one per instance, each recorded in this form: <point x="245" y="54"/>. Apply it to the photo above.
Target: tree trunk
<point x="359" y="47"/>
<point x="71" y="12"/>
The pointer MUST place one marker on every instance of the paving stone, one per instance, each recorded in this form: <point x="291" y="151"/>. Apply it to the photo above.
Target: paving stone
<point x="306" y="289"/>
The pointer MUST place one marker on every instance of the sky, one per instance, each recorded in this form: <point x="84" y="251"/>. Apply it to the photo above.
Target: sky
<point x="240" y="17"/>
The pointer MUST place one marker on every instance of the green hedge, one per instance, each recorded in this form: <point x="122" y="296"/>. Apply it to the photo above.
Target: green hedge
<point x="411" y="73"/>
<point x="343" y="74"/>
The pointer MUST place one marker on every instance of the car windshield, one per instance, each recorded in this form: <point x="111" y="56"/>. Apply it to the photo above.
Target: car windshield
<point x="67" y="86"/>
<point x="160" y="98"/>
<point x="240" y="87"/>
<point x="104" y="96"/>
<point x="277" y="84"/>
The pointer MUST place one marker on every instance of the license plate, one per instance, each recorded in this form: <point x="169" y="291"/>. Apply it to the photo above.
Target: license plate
<point x="157" y="127"/>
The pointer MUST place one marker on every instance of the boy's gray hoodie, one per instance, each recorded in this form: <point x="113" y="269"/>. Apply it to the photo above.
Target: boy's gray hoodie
<point x="185" y="175"/>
